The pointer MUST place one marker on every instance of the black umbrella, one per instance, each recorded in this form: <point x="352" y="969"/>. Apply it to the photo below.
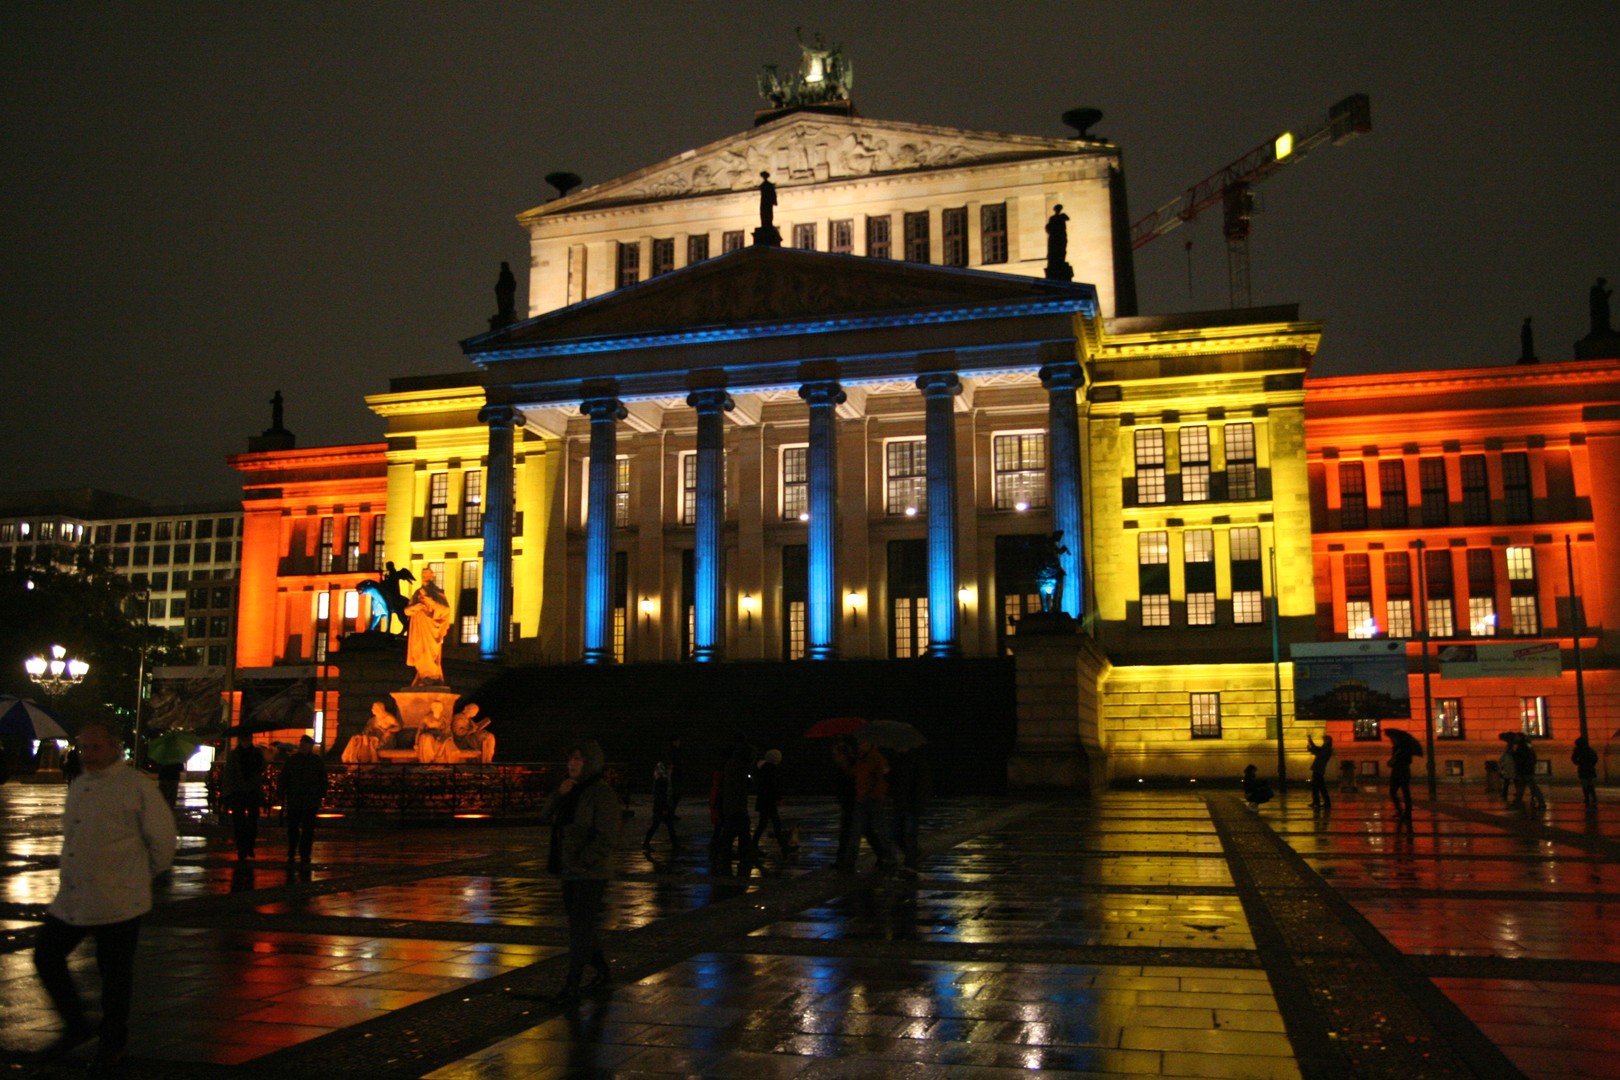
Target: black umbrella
<point x="1403" y="739"/>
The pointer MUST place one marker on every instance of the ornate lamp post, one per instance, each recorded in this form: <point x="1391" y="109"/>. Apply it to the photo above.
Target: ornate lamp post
<point x="57" y="674"/>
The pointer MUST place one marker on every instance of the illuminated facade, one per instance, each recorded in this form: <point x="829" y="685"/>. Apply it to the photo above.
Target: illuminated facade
<point x="1464" y="503"/>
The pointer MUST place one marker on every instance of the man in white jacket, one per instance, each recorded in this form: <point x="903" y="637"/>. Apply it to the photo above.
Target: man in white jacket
<point x="117" y="835"/>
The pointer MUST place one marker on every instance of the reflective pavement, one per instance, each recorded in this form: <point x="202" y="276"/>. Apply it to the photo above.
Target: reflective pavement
<point x="1156" y="933"/>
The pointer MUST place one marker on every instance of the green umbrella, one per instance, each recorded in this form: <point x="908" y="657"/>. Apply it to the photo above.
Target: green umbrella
<point x="171" y="747"/>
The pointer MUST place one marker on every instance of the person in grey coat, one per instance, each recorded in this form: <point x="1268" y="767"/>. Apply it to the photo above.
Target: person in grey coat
<point x="584" y="814"/>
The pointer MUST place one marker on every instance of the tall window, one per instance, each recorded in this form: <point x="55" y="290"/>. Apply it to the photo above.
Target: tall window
<point x="1398" y="592"/>
<point x="1248" y="578"/>
<point x="879" y="244"/>
<point x="1516" y="487"/>
<point x="472" y="503"/>
<point x="379" y="526"/>
<point x="1476" y="490"/>
<point x="1242" y="472"/>
<point x="323" y="624"/>
<point x="1017" y="585"/>
<point x="841" y="237"/>
<point x="906" y="472"/>
<point x="1523" y="590"/>
<point x="1534" y="719"/>
<point x="1149" y="466"/>
<point x="731" y="240"/>
<point x="1481" y="593"/>
<point x="953" y="233"/>
<point x="621" y="491"/>
<point x="1153" y="577"/>
<point x="795" y="483"/>
<point x="1437" y="583"/>
<point x="351" y="543"/>
<point x="908" y="598"/>
<point x="1359" y="622"/>
<point x="795" y="600"/>
<point x="1352" y="495"/>
<point x="1020" y="470"/>
<point x="323" y="553"/>
<point x="1448" y="718"/>
<point x="1198" y="554"/>
<point x="663" y="255"/>
<point x="628" y="271"/>
<point x="1432" y="489"/>
<point x="689" y="489"/>
<point x="1194" y="440"/>
<point x="467" y="602"/>
<point x="438" y="506"/>
<point x="1392" y="493"/>
<point x="916" y="236"/>
<point x="993" y="232"/>
<point x="1206" y="716"/>
<point x="621" y="602"/>
<point x="804" y="236"/>
<point x="697" y="248"/>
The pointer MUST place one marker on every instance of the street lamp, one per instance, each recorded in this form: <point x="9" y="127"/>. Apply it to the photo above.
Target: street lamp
<point x="58" y="674"/>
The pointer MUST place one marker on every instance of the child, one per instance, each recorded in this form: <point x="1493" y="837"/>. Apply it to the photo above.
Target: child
<point x="1255" y="790"/>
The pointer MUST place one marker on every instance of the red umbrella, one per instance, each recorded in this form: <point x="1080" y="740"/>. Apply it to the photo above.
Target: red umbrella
<point x="833" y="728"/>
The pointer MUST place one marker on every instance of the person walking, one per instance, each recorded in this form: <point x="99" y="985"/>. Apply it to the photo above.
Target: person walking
<point x="1320" y="756"/>
<point x="241" y="787"/>
<point x="768" y="800"/>
<point x="1524" y="767"/>
<point x="1400" y="771"/>
<point x="870" y="771"/>
<point x="843" y="753"/>
<point x="302" y="787"/>
<point x="910" y="784"/>
<point x="117" y="835"/>
<point x="663" y="810"/>
<point x="585" y="817"/>
<point x="1585" y="760"/>
<point x="731" y="804"/>
<point x="1505" y="769"/>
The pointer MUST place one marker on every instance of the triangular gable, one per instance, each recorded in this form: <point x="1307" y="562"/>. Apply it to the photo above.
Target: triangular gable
<point x="764" y="284"/>
<point x="809" y="148"/>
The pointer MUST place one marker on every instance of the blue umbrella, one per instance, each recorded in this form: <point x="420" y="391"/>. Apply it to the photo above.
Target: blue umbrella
<point x="20" y="716"/>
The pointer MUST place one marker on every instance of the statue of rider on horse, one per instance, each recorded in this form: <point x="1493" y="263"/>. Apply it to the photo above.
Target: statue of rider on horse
<point x="387" y="602"/>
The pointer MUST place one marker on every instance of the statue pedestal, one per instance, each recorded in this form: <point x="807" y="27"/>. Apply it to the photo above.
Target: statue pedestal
<point x="416" y="705"/>
<point x="1599" y="347"/>
<point x="1058" y="674"/>
<point x="767" y="236"/>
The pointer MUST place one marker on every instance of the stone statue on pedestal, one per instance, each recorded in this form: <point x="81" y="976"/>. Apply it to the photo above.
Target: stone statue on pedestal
<point x="429" y="620"/>
<point x="767" y="235"/>
<point x="1057" y="246"/>
<point x="1049" y="572"/>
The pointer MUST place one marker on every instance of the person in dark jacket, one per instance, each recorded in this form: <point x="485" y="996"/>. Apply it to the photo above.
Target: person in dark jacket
<point x="302" y="787"/>
<point x="241" y="787"/>
<point x="1585" y="760"/>
<point x="663" y="810"/>
<point x="585" y="817"/>
<point x="1524" y="768"/>
<point x="732" y="829"/>
<point x="909" y="784"/>
<point x="768" y="799"/>
<point x="1320" y="756"/>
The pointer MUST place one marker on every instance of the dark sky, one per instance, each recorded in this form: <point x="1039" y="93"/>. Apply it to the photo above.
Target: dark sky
<point x="203" y="203"/>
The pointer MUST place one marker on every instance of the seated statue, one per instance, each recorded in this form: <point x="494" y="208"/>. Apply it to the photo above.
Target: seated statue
<point x="380" y="729"/>
<point x="470" y="735"/>
<point x="433" y="742"/>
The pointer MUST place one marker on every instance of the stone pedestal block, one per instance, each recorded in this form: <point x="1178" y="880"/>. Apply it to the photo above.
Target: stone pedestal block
<point x="1059" y="677"/>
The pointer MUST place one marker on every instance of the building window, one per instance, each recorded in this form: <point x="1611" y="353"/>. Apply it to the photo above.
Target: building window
<point x="916" y="236"/>
<point x="1432" y="490"/>
<point x="379" y="526"/>
<point x="1516" y="487"/>
<point x="697" y="248"/>
<point x="1359" y="622"/>
<point x="467" y="602"/>
<point x="1248" y="578"/>
<point x="628" y="269"/>
<point x="908" y="599"/>
<point x="731" y="241"/>
<point x="804" y="236"/>
<point x="795" y="600"/>
<point x="663" y="256"/>
<point x="1367" y="729"/>
<point x="953" y="232"/>
<point x="351" y="543"/>
<point x="689" y="488"/>
<point x="1476" y="490"/>
<point x="1352" y="495"/>
<point x="1198" y="555"/>
<point x="323" y="552"/>
<point x="993" y="232"/>
<point x="1206" y="716"/>
<point x="621" y="602"/>
<point x="1194" y="439"/>
<point x="1481" y="593"/>
<point x="1448" y="720"/>
<point x="1398" y="594"/>
<point x="795" y="483"/>
<point x="1020" y="470"/>
<point x="621" y="490"/>
<point x="1392" y="493"/>
<point x="1437" y="585"/>
<point x="1149" y="466"/>
<point x="1523" y="590"/>
<point x="438" y="506"/>
<point x="1534" y="719"/>
<point x="1153" y="577"/>
<point x="472" y="503"/>
<point x="143" y="531"/>
<point x="1242" y="472"/>
<point x="878" y="243"/>
<point x="905" y="463"/>
<point x="841" y="237"/>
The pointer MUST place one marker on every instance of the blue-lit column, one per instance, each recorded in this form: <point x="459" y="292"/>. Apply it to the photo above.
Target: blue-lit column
<point x="823" y="396"/>
<point x="1062" y="382"/>
<point x="708" y="582"/>
<point x="495" y="597"/>
<point x="605" y="413"/>
<point x="940" y="389"/>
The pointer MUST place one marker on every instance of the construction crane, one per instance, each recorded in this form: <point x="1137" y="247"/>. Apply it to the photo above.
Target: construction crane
<point x="1231" y="187"/>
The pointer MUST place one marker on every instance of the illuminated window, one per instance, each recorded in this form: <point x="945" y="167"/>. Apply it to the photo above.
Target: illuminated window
<point x="1352" y="495"/>
<point x="1153" y="577"/>
<point x="1194" y="439"/>
<point x="1367" y="729"/>
<point x="697" y="248"/>
<point x="628" y="268"/>
<point x="908" y="598"/>
<point x="1242" y="473"/>
<point x="467" y="602"/>
<point x="621" y="602"/>
<point x="1359" y="622"/>
<point x="795" y="482"/>
<point x="804" y="236"/>
<point x="1020" y="470"/>
<point x="1150" y="466"/>
<point x="1440" y="612"/>
<point x="731" y="241"/>
<point x="379" y="526"/>
<point x="1481" y="593"/>
<point x="161" y="531"/>
<point x="797" y="621"/>
<point x="663" y="256"/>
<point x="621" y="491"/>
<point x="1534" y="719"/>
<point x="795" y="600"/>
<point x="1522" y="585"/>
<point x="472" y="503"/>
<point x="1516" y="487"/>
<point x="916" y="236"/>
<point x="323" y="552"/>
<point x="953" y="232"/>
<point x="1198" y="555"/>
<point x="1432" y="488"/>
<point x="351" y="543"/>
<point x="1476" y="490"/>
<point x="1248" y="579"/>
<point x="1398" y="593"/>
<point x="878" y="245"/>
<point x="438" y="506"/>
<point x="1206" y="716"/>
<point x="689" y="488"/>
<point x="841" y="237"/>
<point x="993" y="232"/>
<point x="1448" y="718"/>
<point x="1392" y="493"/>
<point x="906" y="477"/>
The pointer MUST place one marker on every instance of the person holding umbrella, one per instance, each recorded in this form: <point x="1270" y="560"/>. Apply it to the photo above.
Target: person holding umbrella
<point x="1405" y="748"/>
<point x="302" y="787"/>
<point x="1524" y="767"/>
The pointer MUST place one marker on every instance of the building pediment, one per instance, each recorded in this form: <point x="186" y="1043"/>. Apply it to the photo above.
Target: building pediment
<point x="811" y="148"/>
<point x="762" y="285"/>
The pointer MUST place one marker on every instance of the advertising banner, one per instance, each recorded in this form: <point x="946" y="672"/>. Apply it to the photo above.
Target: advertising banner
<point x="1501" y="660"/>
<point x="1351" y="680"/>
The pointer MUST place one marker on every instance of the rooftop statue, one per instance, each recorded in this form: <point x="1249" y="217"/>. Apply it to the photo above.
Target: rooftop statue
<point x="1597" y="300"/>
<point x="824" y="74"/>
<point x="505" y="297"/>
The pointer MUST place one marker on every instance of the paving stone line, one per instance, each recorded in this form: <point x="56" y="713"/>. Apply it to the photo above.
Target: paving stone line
<point x="1591" y="842"/>
<point x="1353" y="1005"/>
<point x="956" y="951"/>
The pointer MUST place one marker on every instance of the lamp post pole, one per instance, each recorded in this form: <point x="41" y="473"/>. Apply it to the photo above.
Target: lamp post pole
<point x="1423" y="660"/>
<point x="1575" y="632"/>
<point x="140" y="676"/>
<point x="1276" y="675"/>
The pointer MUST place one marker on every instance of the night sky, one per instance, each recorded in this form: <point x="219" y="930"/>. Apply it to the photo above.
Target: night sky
<point x="205" y="203"/>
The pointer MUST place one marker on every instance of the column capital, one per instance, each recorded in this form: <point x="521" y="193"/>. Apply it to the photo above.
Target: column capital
<point x="603" y="408"/>
<point x="1064" y="375"/>
<point x="498" y="415"/>
<point x="710" y="399"/>
<point x="939" y="384"/>
<point x="822" y="392"/>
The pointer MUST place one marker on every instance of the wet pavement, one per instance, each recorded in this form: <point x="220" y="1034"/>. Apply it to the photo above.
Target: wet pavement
<point x="1143" y="933"/>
